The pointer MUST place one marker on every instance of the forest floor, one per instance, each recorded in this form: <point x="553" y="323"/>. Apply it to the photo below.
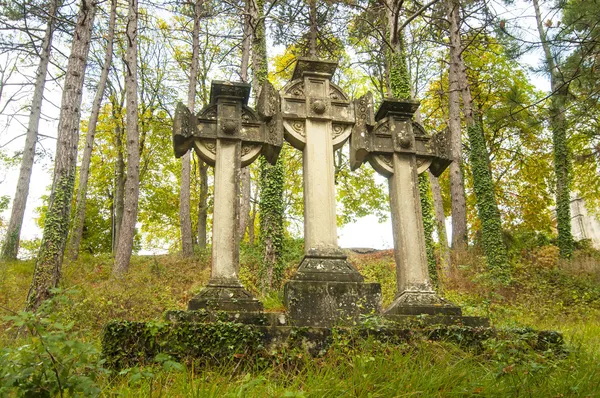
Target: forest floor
<point x="57" y="350"/>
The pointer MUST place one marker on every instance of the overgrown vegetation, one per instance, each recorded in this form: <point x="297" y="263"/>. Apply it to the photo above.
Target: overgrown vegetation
<point x="544" y="292"/>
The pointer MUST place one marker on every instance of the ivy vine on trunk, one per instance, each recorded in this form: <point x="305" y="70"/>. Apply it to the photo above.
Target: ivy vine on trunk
<point x="56" y="228"/>
<point x="271" y="184"/>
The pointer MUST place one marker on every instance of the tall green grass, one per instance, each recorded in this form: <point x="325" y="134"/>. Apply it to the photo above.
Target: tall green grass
<point x="543" y="294"/>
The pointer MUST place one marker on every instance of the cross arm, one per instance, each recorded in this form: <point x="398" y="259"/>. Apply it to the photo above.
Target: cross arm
<point x="360" y="144"/>
<point x="268" y="107"/>
<point x="184" y="130"/>
<point x="436" y="150"/>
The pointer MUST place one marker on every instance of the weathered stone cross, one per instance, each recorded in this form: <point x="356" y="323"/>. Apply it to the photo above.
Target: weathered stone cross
<point x="400" y="149"/>
<point x="317" y="119"/>
<point x="228" y="135"/>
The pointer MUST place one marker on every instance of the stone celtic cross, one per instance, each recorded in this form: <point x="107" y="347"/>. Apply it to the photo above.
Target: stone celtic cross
<point x="400" y="149"/>
<point x="228" y="135"/>
<point x="317" y="118"/>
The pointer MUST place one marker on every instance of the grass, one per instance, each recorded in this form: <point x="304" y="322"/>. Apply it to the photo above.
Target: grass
<point x="543" y="293"/>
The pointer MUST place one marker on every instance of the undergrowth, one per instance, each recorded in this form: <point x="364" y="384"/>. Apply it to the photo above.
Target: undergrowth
<point x="56" y="351"/>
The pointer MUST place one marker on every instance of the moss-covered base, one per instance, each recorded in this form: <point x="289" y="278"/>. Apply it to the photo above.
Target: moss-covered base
<point x="126" y="344"/>
<point x="327" y="303"/>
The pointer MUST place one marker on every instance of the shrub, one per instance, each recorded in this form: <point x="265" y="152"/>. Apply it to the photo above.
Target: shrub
<point x="50" y="360"/>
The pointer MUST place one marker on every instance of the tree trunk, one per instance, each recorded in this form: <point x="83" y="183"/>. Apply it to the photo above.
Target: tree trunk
<point x="457" y="183"/>
<point x="119" y="186"/>
<point x="252" y="223"/>
<point x="440" y="218"/>
<point x="312" y="33"/>
<point x="202" y="204"/>
<point x="132" y="185"/>
<point x="10" y="248"/>
<point x="77" y="229"/>
<point x="185" y="217"/>
<point x="562" y="152"/>
<point x="245" y="172"/>
<point x="491" y="225"/>
<point x="272" y="178"/>
<point x="56" y="228"/>
<point x="245" y="183"/>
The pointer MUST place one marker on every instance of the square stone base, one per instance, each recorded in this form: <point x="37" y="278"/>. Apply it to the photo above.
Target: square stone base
<point x="329" y="303"/>
<point x="422" y="303"/>
<point x="225" y="298"/>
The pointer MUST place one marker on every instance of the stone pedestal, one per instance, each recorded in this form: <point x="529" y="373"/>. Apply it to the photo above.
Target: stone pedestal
<point x="228" y="135"/>
<point x="328" y="303"/>
<point x="317" y="119"/>
<point x="225" y="297"/>
<point x="399" y="149"/>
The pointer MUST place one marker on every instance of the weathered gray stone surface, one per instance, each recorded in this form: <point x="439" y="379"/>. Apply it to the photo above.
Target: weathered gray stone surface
<point x="328" y="303"/>
<point x="399" y="148"/>
<point x="228" y="135"/>
<point x="225" y="340"/>
<point x="317" y="117"/>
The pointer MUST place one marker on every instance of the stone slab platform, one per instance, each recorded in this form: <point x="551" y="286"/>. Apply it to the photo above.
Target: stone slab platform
<point x="219" y="340"/>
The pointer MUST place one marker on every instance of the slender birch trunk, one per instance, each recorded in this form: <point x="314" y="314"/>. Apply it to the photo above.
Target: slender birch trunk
<point x="457" y="182"/>
<point x="10" y="247"/>
<point x="185" y="217"/>
<point x="84" y="172"/>
<point x="132" y="185"/>
<point x="49" y="260"/>
<point x="562" y="152"/>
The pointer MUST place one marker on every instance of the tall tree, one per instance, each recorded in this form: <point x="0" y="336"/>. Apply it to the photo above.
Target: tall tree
<point x="185" y="218"/>
<point x="245" y="182"/>
<point x="457" y="184"/>
<point x="562" y="152"/>
<point x="49" y="260"/>
<point x="580" y="19"/>
<point x="132" y="185"/>
<point x="10" y="247"/>
<point x="440" y="220"/>
<point x="487" y="207"/>
<point x="272" y="177"/>
<point x="84" y="171"/>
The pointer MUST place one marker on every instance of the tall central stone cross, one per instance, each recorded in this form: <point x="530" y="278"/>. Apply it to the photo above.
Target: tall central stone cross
<point x="317" y="119"/>
<point x="400" y="149"/>
<point x="228" y="135"/>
